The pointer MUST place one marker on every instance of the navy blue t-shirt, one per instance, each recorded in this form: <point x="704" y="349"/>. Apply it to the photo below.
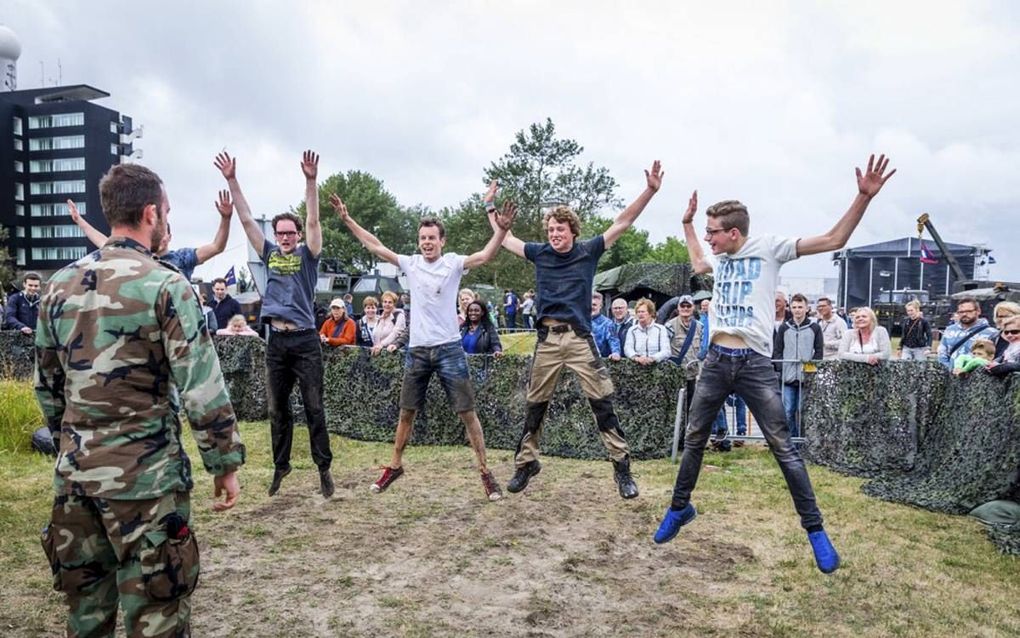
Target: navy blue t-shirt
<point x="565" y="280"/>
<point x="290" y="285"/>
<point x="183" y="259"/>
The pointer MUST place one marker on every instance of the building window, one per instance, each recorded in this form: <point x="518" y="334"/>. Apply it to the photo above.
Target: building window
<point x="56" y="120"/>
<point x="19" y="192"/>
<point x="114" y="127"/>
<point x="113" y="149"/>
<point x="55" y="210"/>
<point x="58" y="188"/>
<point x="21" y="256"/>
<point x="19" y="231"/>
<point x="58" y="253"/>
<point x="56" y="232"/>
<point x="19" y="167"/>
<point x="17" y="125"/>
<point x="57" y="165"/>
<point x="56" y="143"/>
<point x="18" y="146"/>
<point x="19" y="210"/>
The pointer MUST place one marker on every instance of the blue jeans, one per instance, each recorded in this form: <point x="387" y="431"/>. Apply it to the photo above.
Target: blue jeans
<point x="791" y="403"/>
<point x="446" y="360"/>
<point x="751" y="376"/>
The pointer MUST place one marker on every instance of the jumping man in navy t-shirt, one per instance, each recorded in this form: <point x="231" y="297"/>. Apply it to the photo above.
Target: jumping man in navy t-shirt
<point x="564" y="270"/>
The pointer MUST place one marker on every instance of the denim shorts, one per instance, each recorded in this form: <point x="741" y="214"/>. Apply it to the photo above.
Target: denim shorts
<point x="449" y="362"/>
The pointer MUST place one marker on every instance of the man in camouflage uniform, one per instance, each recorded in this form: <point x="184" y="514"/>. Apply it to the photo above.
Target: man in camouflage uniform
<point x="117" y="331"/>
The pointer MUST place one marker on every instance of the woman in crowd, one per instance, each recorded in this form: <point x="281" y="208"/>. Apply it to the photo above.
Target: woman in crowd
<point x="478" y="335"/>
<point x="464" y="297"/>
<point x="867" y="342"/>
<point x="647" y="342"/>
<point x="1009" y="360"/>
<point x="916" y="342"/>
<point x="368" y="322"/>
<point x="392" y="323"/>
<point x="1003" y="310"/>
<point x="528" y="310"/>
<point x="237" y="327"/>
<point x="338" y="329"/>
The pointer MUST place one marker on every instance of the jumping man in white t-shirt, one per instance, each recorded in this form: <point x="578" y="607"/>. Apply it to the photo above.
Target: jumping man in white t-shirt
<point x="741" y="319"/>
<point x="434" y="339"/>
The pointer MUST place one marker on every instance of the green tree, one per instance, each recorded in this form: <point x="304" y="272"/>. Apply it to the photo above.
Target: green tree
<point x="7" y="272"/>
<point x="374" y="208"/>
<point x="671" y="251"/>
<point x="632" y="246"/>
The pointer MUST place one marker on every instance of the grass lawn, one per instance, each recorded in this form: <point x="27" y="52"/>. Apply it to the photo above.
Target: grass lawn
<point x="567" y="557"/>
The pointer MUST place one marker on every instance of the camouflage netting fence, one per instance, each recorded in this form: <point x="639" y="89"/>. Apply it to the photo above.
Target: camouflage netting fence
<point x="926" y="438"/>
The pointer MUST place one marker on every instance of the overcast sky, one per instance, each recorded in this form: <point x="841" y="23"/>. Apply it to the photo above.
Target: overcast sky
<point x="772" y="103"/>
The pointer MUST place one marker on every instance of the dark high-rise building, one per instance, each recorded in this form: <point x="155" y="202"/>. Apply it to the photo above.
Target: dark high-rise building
<point x="55" y="145"/>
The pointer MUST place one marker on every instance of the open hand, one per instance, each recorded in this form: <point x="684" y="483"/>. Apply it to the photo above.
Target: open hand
<point x="224" y="206"/>
<point x="654" y="177"/>
<point x="692" y="208"/>
<point x="489" y="198"/>
<point x="310" y="165"/>
<point x="227" y="165"/>
<point x="505" y="218"/>
<point x="72" y="210"/>
<point x="872" y="180"/>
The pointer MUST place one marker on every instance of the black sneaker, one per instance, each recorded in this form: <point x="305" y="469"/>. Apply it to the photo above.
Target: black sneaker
<point x="624" y="481"/>
<point x="278" y="475"/>
<point x="326" y="483"/>
<point x="523" y="475"/>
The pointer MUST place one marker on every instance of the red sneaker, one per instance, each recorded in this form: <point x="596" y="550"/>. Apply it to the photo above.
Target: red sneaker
<point x="492" y="489"/>
<point x="389" y="475"/>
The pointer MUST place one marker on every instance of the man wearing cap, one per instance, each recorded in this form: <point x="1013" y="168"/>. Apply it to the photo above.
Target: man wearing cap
<point x="338" y="329"/>
<point x="685" y="340"/>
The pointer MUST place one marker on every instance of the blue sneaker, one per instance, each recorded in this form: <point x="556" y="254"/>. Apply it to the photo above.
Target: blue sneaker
<point x="825" y="554"/>
<point x="673" y="521"/>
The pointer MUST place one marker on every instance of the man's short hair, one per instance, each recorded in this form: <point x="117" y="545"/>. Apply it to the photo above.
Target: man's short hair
<point x="620" y="299"/>
<point x="298" y="225"/>
<point x="219" y="280"/>
<point x="970" y="300"/>
<point x="646" y="303"/>
<point x="126" y="190"/>
<point x="825" y="299"/>
<point x="564" y="215"/>
<point x="425" y="222"/>
<point x="31" y="275"/>
<point x="799" y="297"/>
<point x="731" y="214"/>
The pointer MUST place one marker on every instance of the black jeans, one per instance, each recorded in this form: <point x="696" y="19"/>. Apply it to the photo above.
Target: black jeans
<point x="751" y="376"/>
<point x="296" y="356"/>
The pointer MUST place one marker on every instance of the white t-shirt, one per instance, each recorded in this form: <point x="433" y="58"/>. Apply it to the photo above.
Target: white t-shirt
<point x="744" y="297"/>
<point x="434" y="288"/>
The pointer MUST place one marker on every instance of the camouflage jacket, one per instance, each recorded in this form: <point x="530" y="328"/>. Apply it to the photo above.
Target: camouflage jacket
<point x="116" y="332"/>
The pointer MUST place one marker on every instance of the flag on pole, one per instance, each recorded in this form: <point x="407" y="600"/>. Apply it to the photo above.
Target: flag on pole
<point x="230" y="277"/>
<point x="927" y="256"/>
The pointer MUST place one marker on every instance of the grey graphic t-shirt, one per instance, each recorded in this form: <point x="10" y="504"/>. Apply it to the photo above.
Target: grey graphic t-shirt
<point x="744" y="297"/>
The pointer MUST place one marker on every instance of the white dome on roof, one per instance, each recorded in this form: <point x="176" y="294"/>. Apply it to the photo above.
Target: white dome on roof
<point x="10" y="46"/>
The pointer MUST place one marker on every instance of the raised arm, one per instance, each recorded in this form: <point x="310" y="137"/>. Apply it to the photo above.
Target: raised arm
<point x="511" y="243"/>
<point x="313" y="229"/>
<point x="227" y="165"/>
<point x="694" y="250"/>
<point x="224" y="207"/>
<point x="626" y="218"/>
<point x="868" y="185"/>
<point x="367" y="239"/>
<point x="90" y="231"/>
<point x="501" y="222"/>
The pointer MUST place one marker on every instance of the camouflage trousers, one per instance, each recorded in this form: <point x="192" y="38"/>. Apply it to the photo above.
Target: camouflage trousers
<point x="138" y="554"/>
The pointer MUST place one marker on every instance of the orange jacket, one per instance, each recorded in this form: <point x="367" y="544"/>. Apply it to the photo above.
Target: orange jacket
<point x="344" y="335"/>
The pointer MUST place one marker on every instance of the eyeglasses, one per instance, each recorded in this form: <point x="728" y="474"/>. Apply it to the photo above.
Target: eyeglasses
<point x="711" y="231"/>
<point x="1011" y="332"/>
<point x="286" y="233"/>
<point x="686" y="305"/>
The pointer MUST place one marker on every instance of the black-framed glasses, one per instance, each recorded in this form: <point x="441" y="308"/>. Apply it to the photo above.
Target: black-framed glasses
<point x="286" y="233"/>
<point x="1011" y="332"/>
<point x="711" y="231"/>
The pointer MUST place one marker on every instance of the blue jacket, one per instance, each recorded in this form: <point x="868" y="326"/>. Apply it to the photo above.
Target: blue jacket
<point x="603" y="330"/>
<point x="22" y="311"/>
